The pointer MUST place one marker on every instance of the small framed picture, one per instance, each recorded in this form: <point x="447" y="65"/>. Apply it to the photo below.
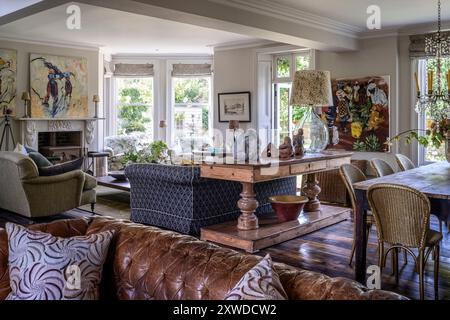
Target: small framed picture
<point x="235" y="106"/>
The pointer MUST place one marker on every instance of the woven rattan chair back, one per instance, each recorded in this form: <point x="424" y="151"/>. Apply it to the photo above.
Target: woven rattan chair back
<point x="404" y="162"/>
<point x="402" y="214"/>
<point x="351" y="174"/>
<point x="381" y="167"/>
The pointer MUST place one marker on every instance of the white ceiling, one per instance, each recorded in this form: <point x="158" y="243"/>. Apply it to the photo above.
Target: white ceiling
<point x="8" y="6"/>
<point x="395" y="14"/>
<point x="120" y="32"/>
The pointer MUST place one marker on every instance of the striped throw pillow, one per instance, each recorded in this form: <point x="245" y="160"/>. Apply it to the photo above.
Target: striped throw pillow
<point x="44" y="267"/>
<point x="260" y="283"/>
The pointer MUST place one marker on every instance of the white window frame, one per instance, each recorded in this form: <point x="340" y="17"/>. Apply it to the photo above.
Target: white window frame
<point x="110" y="109"/>
<point x="292" y="56"/>
<point x="420" y="66"/>
<point x="115" y="104"/>
<point x="174" y="105"/>
<point x="170" y="100"/>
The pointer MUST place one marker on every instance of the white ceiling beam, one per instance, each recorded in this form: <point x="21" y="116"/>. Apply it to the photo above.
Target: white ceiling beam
<point x="217" y="15"/>
<point x="31" y="10"/>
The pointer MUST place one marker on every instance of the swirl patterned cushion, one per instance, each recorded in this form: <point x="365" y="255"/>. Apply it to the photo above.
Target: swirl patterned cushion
<point x="260" y="283"/>
<point x="44" y="267"/>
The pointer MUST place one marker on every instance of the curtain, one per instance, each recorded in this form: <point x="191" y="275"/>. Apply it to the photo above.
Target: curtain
<point x="417" y="45"/>
<point x="133" y="70"/>
<point x="182" y="69"/>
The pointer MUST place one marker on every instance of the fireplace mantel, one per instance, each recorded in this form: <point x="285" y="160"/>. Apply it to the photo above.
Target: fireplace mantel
<point x="30" y="128"/>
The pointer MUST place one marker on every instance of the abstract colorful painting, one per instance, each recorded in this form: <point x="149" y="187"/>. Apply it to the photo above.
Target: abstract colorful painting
<point x="360" y="115"/>
<point x="8" y="72"/>
<point x="59" y="87"/>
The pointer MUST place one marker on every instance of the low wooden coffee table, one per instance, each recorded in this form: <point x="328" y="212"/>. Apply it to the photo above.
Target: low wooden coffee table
<point x="113" y="183"/>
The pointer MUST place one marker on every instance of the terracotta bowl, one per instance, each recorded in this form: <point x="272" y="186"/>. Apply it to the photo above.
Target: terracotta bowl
<point x="288" y="208"/>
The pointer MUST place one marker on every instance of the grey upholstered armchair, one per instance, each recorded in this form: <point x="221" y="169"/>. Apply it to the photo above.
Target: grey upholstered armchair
<point x="23" y="191"/>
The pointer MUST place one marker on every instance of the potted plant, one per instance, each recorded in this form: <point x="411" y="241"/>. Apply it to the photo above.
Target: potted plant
<point x="156" y="152"/>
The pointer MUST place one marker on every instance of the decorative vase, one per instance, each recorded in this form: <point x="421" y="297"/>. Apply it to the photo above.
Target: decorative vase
<point x="315" y="132"/>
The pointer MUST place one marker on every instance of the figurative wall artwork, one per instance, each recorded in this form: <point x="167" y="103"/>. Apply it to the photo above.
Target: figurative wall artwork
<point x="59" y="87"/>
<point x="360" y="113"/>
<point x="8" y="71"/>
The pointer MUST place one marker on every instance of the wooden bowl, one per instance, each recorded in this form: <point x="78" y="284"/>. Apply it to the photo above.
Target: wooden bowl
<point x="118" y="175"/>
<point x="288" y="207"/>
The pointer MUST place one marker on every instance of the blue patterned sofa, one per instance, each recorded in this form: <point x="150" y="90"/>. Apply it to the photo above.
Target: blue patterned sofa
<point x="176" y="198"/>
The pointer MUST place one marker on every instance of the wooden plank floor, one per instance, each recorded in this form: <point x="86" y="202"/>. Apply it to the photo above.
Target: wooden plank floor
<point x="328" y="251"/>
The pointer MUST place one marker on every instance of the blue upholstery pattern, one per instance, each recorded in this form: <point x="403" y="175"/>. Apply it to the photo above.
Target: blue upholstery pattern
<point x="177" y="198"/>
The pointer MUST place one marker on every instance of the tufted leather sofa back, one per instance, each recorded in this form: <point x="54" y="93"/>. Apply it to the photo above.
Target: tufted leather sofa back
<point x="150" y="263"/>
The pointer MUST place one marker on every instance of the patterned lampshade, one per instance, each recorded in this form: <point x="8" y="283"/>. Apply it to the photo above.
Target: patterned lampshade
<point x="313" y="88"/>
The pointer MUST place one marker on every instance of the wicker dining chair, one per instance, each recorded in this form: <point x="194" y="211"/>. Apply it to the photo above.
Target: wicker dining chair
<point x="381" y="167"/>
<point x="402" y="218"/>
<point x="350" y="175"/>
<point x="404" y="162"/>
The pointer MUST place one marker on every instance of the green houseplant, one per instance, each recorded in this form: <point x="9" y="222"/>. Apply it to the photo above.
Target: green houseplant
<point x="436" y="134"/>
<point x="155" y="152"/>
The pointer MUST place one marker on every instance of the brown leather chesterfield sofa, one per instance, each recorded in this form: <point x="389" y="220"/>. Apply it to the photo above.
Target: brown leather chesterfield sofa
<point x="149" y="263"/>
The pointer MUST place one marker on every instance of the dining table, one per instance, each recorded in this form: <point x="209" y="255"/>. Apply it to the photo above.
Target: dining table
<point x="433" y="180"/>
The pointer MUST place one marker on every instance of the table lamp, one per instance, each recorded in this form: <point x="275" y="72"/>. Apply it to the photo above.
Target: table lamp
<point x="311" y="89"/>
<point x="26" y="100"/>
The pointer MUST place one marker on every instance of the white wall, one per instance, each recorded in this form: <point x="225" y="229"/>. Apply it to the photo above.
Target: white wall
<point x="95" y="74"/>
<point x="235" y="71"/>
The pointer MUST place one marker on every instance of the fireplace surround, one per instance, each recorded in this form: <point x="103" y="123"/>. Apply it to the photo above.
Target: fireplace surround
<point x="68" y="138"/>
<point x="65" y="145"/>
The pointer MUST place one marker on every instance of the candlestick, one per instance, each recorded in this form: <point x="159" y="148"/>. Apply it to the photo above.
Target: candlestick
<point x="430" y="82"/>
<point x="96" y="100"/>
<point x="417" y="82"/>
<point x="448" y="80"/>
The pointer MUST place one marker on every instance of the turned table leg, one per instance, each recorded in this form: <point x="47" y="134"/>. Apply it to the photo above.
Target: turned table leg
<point x="248" y="204"/>
<point x="311" y="189"/>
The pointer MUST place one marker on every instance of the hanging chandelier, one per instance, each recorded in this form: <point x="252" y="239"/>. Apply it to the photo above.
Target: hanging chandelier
<point x="435" y="101"/>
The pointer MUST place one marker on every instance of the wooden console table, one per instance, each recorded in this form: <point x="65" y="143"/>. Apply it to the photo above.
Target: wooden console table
<point x="249" y="174"/>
